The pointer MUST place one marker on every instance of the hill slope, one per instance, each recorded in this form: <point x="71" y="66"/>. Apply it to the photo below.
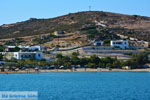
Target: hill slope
<point x="136" y="26"/>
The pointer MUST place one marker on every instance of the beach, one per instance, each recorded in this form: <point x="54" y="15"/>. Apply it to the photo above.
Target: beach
<point x="76" y="70"/>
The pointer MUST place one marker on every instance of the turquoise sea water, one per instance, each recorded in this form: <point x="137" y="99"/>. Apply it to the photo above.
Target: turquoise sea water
<point x="81" y="86"/>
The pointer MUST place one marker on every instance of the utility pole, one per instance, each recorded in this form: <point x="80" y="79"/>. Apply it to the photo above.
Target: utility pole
<point x="89" y="8"/>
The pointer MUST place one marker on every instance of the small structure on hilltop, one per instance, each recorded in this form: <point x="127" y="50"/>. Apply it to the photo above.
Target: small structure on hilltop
<point x="58" y="33"/>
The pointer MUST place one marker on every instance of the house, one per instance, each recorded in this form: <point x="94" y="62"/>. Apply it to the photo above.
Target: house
<point x="25" y="48"/>
<point x="58" y="33"/>
<point x="133" y="39"/>
<point x="2" y="62"/>
<point x="122" y="36"/>
<point x="35" y="48"/>
<point x="98" y="43"/>
<point x="123" y="44"/>
<point x="24" y="55"/>
<point x="140" y="44"/>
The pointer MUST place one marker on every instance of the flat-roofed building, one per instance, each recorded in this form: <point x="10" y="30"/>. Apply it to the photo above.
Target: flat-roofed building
<point x="27" y="48"/>
<point x="123" y="44"/>
<point x="59" y="33"/>
<point x="98" y="43"/>
<point x="24" y="55"/>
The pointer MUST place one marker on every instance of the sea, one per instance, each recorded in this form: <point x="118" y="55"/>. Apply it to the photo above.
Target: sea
<point x="81" y="85"/>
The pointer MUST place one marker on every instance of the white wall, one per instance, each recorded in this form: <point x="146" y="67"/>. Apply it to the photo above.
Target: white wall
<point x="123" y="44"/>
<point x="38" y="55"/>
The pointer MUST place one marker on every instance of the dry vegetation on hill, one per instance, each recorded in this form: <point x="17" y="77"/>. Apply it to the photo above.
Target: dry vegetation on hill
<point x="136" y="26"/>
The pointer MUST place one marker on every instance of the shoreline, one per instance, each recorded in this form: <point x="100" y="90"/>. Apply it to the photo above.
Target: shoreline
<point x="77" y="70"/>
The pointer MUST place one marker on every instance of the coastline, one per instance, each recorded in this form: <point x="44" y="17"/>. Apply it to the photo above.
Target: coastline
<point x="77" y="70"/>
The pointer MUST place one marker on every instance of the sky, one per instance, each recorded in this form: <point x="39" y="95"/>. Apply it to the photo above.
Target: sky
<point x="12" y="11"/>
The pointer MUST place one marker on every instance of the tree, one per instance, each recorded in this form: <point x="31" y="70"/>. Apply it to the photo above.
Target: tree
<point x="91" y="36"/>
<point x="16" y="49"/>
<point x="67" y="65"/>
<point x="2" y="48"/>
<point x="116" y="64"/>
<point x="31" y="62"/>
<point x="21" y="62"/>
<point x="91" y="65"/>
<point x="66" y="59"/>
<point x="56" y="64"/>
<point x="107" y="60"/>
<point x="84" y="61"/>
<point x="141" y="58"/>
<point x="1" y="57"/>
<point x="42" y="63"/>
<point x="107" y="42"/>
<point x="38" y="41"/>
<point x="95" y="60"/>
<point x="101" y="65"/>
<point x="137" y="60"/>
<point x="59" y="56"/>
<point x="18" y="40"/>
<point x="92" y="31"/>
<point x="75" y="60"/>
<point x="75" y="54"/>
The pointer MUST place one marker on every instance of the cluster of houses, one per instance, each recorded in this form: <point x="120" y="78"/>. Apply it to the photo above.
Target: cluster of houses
<point x="124" y="44"/>
<point x="25" y="52"/>
<point x="135" y="43"/>
<point x="36" y="52"/>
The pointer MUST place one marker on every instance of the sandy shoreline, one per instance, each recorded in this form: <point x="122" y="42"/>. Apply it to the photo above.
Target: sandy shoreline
<point x="77" y="70"/>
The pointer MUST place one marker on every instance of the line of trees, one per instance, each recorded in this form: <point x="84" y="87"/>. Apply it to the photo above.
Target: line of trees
<point x="137" y="61"/>
<point x="67" y="62"/>
<point x="93" y="62"/>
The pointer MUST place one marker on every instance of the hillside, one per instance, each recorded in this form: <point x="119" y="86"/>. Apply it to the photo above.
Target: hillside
<point x="136" y="26"/>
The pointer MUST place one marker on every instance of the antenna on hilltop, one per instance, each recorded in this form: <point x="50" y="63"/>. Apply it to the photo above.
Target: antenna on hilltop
<point x="90" y="8"/>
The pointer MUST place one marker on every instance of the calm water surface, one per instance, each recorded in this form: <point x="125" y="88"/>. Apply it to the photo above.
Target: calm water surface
<point x="81" y="86"/>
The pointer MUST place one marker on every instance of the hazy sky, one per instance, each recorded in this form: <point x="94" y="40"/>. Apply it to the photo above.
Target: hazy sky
<point x="12" y="11"/>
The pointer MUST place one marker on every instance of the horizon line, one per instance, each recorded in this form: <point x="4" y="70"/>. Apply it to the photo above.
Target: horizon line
<point x="74" y="13"/>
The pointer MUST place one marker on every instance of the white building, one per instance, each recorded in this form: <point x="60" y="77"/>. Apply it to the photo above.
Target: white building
<point x="59" y="33"/>
<point x="98" y="43"/>
<point x="34" y="48"/>
<point x="24" y="55"/>
<point x="123" y="44"/>
<point x="29" y="48"/>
